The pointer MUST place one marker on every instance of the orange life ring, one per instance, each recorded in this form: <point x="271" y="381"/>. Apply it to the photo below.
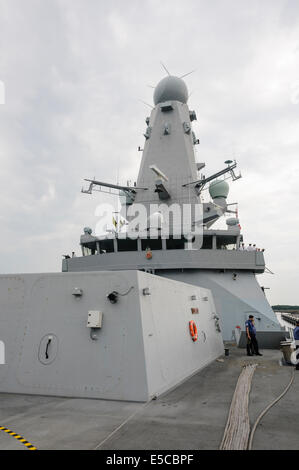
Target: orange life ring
<point x="193" y="330"/>
<point x="149" y="254"/>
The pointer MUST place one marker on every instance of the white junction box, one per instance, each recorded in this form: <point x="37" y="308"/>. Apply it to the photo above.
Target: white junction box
<point x="95" y="319"/>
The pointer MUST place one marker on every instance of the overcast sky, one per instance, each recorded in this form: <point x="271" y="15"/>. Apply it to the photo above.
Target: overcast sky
<point x="75" y="72"/>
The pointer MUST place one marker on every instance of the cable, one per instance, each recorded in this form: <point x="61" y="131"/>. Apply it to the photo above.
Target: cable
<point x="126" y="293"/>
<point x="122" y="425"/>
<point x="267" y="409"/>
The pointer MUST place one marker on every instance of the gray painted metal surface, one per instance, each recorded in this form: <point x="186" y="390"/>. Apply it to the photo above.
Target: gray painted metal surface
<point x="143" y="348"/>
<point x="235" y="299"/>
<point x="266" y="339"/>
<point x="173" y="154"/>
<point x="170" y="259"/>
<point x="236" y="292"/>
<point x="50" y="322"/>
<point x="192" y="416"/>
<point x="169" y="156"/>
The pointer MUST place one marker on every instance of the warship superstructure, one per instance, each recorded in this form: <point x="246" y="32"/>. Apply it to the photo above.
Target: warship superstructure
<point x="144" y="311"/>
<point x="169" y="177"/>
<point x="148" y="304"/>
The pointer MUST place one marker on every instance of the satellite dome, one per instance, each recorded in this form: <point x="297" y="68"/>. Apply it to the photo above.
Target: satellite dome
<point x="171" y="89"/>
<point x="232" y="221"/>
<point x="219" y="188"/>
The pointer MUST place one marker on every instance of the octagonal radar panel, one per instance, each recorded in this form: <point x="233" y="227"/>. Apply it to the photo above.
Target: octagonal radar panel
<point x="171" y="89"/>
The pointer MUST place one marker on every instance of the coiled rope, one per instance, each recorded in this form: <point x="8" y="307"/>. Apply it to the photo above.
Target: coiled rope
<point x="237" y="429"/>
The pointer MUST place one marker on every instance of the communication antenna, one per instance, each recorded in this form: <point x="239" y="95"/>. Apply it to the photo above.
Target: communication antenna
<point x="186" y="74"/>
<point x="165" y="68"/>
<point x="117" y="172"/>
<point x="144" y="102"/>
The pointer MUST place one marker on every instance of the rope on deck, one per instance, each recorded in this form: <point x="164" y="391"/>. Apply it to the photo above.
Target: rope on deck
<point x="237" y="429"/>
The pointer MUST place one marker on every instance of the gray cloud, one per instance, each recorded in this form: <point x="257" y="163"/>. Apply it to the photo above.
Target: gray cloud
<point x="75" y="72"/>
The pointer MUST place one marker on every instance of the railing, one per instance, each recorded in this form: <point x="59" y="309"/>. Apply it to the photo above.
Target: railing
<point x="289" y="318"/>
<point x="171" y="259"/>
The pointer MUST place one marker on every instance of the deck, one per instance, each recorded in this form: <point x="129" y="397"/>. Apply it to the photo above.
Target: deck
<point x="192" y="416"/>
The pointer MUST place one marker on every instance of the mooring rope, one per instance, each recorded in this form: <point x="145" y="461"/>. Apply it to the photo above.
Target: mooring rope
<point x="237" y="429"/>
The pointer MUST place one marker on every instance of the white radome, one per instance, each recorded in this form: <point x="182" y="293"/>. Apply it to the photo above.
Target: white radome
<point x="171" y="89"/>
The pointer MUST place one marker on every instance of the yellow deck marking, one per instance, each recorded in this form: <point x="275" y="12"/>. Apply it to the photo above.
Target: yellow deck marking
<point x="18" y="437"/>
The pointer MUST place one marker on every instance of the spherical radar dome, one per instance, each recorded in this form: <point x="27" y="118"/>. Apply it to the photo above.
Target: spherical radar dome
<point x="171" y="89"/>
<point x="233" y="221"/>
<point x="219" y="188"/>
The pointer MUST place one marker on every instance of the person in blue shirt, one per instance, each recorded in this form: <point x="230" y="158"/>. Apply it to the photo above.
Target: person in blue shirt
<point x="296" y="338"/>
<point x="252" y="344"/>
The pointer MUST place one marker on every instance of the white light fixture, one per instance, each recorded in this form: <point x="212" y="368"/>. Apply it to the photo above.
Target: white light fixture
<point x="158" y="172"/>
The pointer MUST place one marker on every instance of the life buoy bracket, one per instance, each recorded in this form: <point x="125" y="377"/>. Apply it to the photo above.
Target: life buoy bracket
<point x="193" y="330"/>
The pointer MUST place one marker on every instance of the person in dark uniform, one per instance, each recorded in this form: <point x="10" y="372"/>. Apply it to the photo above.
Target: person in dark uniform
<point x="296" y="338"/>
<point x="252" y="344"/>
